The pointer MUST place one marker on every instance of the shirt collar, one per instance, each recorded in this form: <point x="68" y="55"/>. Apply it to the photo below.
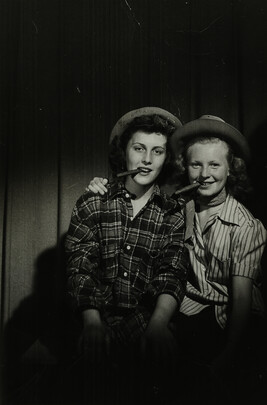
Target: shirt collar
<point x="228" y="212"/>
<point x="117" y="188"/>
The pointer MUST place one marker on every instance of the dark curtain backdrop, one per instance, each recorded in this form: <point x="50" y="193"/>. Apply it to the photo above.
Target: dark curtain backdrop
<point x="69" y="69"/>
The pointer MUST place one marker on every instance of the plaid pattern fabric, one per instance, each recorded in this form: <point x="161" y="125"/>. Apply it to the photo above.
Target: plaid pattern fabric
<point x="115" y="261"/>
<point x="128" y="327"/>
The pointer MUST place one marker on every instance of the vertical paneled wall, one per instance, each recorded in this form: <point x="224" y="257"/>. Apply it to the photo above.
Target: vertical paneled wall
<point x="69" y="69"/>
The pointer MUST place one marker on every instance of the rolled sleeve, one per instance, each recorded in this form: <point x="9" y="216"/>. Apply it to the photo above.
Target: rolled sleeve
<point x="172" y="268"/>
<point x="82" y="252"/>
<point x="249" y="247"/>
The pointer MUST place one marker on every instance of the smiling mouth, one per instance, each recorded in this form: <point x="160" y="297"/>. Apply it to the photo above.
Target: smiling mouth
<point x="203" y="183"/>
<point x="144" y="170"/>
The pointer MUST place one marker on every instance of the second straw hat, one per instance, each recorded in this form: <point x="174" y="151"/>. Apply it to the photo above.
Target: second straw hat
<point x="211" y="125"/>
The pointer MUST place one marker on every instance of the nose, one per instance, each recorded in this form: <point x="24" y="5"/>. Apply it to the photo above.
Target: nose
<point x="147" y="158"/>
<point x="204" y="173"/>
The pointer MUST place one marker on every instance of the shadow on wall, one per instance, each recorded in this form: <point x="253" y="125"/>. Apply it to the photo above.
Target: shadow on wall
<point x="258" y="175"/>
<point x="38" y="334"/>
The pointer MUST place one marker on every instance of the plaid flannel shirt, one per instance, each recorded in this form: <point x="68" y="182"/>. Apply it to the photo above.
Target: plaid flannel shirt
<point x="117" y="262"/>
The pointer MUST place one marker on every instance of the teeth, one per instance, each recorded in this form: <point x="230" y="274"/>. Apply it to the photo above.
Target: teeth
<point x="145" y="170"/>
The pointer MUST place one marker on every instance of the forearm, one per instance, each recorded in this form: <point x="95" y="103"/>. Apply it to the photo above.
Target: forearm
<point x="238" y="322"/>
<point x="172" y="271"/>
<point x="91" y="317"/>
<point x="240" y="310"/>
<point x="165" y="308"/>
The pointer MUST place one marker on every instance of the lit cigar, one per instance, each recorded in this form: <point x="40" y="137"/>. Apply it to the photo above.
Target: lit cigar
<point x="135" y="171"/>
<point x="187" y="188"/>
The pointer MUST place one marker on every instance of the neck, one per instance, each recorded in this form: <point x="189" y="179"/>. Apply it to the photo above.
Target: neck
<point x="212" y="201"/>
<point x="138" y="190"/>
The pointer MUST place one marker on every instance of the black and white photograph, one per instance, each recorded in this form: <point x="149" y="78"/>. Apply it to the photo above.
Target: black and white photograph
<point x="133" y="186"/>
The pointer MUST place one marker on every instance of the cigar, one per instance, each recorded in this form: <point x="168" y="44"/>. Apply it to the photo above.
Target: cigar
<point x="187" y="188"/>
<point x="135" y="171"/>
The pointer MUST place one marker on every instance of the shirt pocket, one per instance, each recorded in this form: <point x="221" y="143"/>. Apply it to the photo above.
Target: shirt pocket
<point x="218" y="268"/>
<point x="146" y="269"/>
<point x="109" y="262"/>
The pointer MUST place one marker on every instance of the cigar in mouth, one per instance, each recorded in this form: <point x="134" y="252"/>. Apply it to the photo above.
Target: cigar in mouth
<point x="134" y="171"/>
<point x="186" y="189"/>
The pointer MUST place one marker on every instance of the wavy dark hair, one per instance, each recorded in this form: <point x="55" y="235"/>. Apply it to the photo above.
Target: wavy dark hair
<point x="238" y="183"/>
<point x="148" y="124"/>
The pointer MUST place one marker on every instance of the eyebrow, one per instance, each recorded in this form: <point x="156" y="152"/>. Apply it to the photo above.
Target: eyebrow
<point x="142" y="144"/>
<point x="198" y="161"/>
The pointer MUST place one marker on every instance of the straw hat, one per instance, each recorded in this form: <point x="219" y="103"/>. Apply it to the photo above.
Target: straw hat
<point x="211" y="125"/>
<point x="122" y="124"/>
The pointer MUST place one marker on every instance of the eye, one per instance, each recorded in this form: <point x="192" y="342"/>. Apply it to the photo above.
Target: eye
<point x="195" y="165"/>
<point x="138" y="148"/>
<point x="214" y="165"/>
<point x="158" y="151"/>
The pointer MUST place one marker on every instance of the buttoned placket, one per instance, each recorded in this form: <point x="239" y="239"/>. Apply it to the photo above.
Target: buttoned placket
<point x="126" y="248"/>
<point x="200" y="250"/>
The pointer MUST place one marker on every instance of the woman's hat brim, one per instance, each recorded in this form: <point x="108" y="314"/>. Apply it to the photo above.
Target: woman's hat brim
<point x="123" y="123"/>
<point x="211" y="127"/>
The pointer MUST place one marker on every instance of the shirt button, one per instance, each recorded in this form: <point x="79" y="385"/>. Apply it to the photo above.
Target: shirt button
<point x="128" y="247"/>
<point x="125" y="274"/>
<point x="127" y="195"/>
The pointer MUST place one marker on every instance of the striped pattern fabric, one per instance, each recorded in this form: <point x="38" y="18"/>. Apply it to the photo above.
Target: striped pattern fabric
<point x="231" y="244"/>
<point x="115" y="261"/>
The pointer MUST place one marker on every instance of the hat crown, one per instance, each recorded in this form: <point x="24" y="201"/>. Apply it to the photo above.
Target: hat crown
<point x="125" y="120"/>
<point x="211" y="117"/>
<point x="211" y="125"/>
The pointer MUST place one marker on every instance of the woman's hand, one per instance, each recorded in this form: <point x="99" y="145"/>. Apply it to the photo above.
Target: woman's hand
<point x="221" y="364"/>
<point x="95" y="341"/>
<point x="98" y="185"/>
<point x="158" y="342"/>
<point x="160" y="345"/>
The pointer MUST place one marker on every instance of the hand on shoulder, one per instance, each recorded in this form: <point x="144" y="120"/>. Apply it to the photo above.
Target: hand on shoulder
<point x="98" y="185"/>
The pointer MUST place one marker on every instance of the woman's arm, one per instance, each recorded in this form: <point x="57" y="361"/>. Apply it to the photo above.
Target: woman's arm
<point x="238" y="320"/>
<point x="241" y="298"/>
<point x="158" y="339"/>
<point x="83" y="256"/>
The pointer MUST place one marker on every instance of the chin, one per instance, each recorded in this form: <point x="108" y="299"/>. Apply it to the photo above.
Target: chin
<point x="145" y="183"/>
<point x="206" y="193"/>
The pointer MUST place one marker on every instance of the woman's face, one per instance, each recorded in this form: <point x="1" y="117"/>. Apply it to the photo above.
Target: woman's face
<point x="207" y="162"/>
<point x="147" y="151"/>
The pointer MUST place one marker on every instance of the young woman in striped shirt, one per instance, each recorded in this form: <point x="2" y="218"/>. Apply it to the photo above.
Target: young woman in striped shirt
<point x="223" y="305"/>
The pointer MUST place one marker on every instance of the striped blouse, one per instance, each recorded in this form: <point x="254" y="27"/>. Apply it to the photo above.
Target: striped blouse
<point x="231" y="244"/>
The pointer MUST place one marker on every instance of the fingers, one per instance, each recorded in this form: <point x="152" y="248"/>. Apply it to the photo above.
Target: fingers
<point x="104" y="181"/>
<point x="98" y="185"/>
<point x="161" y="351"/>
<point x="143" y="346"/>
<point x="107" y="344"/>
<point x="94" y="352"/>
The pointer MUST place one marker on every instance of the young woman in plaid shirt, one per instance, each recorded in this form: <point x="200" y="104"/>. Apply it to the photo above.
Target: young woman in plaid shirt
<point x="126" y="260"/>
